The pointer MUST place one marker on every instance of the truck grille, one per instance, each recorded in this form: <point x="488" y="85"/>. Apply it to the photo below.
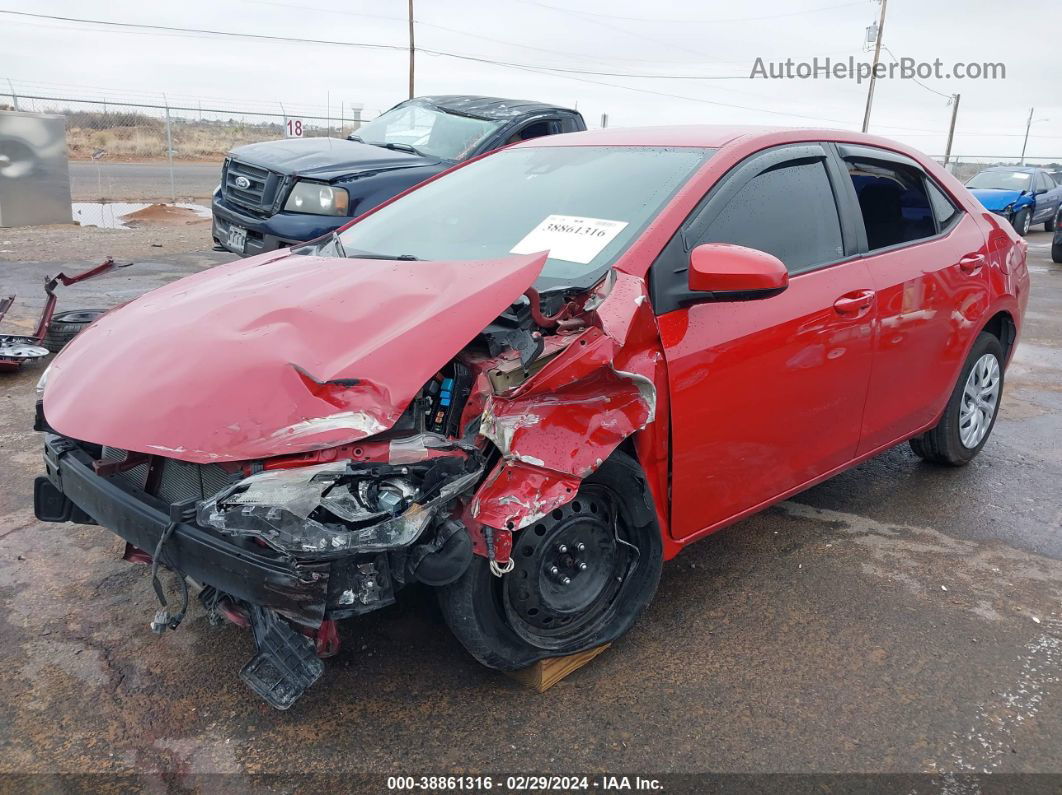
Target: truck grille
<point x="262" y="193"/>
<point x="176" y="480"/>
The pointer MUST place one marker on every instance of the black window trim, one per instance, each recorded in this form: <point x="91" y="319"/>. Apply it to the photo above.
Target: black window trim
<point x="668" y="278"/>
<point x="865" y="152"/>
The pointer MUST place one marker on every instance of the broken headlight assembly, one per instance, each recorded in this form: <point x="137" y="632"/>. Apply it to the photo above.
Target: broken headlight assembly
<point x="340" y="507"/>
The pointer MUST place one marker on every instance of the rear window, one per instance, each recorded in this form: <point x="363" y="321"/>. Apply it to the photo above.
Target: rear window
<point x="893" y="202"/>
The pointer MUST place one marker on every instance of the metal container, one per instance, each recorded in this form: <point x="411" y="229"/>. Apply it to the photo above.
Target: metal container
<point x="34" y="175"/>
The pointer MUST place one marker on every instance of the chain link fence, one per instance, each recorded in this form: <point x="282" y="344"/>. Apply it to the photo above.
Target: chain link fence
<point x="177" y="134"/>
<point x="137" y="131"/>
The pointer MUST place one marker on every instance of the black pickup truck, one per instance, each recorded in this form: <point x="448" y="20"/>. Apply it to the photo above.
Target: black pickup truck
<point x="279" y="193"/>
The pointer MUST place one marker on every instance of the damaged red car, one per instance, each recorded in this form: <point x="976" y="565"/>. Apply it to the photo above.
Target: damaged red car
<point x="531" y="380"/>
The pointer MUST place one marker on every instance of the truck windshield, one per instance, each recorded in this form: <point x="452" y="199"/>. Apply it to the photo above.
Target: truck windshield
<point x="584" y="204"/>
<point x="427" y="130"/>
<point x="1001" y="180"/>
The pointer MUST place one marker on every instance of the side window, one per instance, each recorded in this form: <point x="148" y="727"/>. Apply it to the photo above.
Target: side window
<point x="893" y="202"/>
<point x="568" y="124"/>
<point x="788" y="211"/>
<point x="535" y="129"/>
<point x="944" y="211"/>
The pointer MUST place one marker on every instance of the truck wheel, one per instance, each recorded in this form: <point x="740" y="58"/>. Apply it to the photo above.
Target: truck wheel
<point x="971" y="412"/>
<point x="67" y="325"/>
<point x="1020" y="222"/>
<point x="582" y="575"/>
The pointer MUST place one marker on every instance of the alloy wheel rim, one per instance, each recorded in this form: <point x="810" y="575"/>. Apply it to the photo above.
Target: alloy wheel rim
<point x="980" y="399"/>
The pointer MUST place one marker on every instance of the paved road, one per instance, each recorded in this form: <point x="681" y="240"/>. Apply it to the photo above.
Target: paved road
<point x="141" y="181"/>
<point x="898" y="618"/>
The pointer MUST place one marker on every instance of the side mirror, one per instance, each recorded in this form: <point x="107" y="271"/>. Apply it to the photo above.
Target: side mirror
<point x="735" y="273"/>
<point x="1039" y="191"/>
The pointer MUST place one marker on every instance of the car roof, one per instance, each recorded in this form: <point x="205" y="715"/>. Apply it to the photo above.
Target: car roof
<point x="714" y="136"/>
<point x="494" y="108"/>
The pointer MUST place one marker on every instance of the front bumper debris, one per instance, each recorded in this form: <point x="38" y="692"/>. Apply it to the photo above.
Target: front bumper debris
<point x="286" y="601"/>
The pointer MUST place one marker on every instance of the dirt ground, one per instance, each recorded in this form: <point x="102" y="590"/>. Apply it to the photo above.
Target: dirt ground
<point x="153" y="237"/>
<point x="898" y="618"/>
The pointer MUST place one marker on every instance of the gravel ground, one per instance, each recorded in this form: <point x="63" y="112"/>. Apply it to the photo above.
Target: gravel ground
<point x="897" y="618"/>
<point x="72" y="243"/>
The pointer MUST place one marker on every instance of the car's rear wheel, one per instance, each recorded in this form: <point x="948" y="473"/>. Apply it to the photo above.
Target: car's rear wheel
<point x="1052" y="222"/>
<point x="1056" y="250"/>
<point x="971" y="411"/>
<point x="65" y="326"/>
<point x="582" y="575"/>
<point x="1021" y="221"/>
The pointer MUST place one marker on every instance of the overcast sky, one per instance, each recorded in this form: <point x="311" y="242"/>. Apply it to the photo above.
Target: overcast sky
<point x="664" y="38"/>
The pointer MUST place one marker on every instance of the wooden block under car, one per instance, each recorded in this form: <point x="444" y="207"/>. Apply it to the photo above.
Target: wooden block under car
<point x="545" y="673"/>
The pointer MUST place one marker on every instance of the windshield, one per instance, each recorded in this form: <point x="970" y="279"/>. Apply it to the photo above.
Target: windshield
<point x="1002" y="180"/>
<point x="427" y="130"/>
<point x="584" y="204"/>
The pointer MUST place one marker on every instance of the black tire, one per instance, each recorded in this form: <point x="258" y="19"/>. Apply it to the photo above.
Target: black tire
<point x="1020" y="221"/>
<point x="942" y="444"/>
<point x="527" y="615"/>
<point x="1056" y="250"/>
<point x="67" y="325"/>
<point x="1052" y="222"/>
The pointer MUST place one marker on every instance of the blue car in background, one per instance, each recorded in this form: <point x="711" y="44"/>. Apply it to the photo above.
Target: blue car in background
<point x="1024" y="195"/>
<point x="278" y="194"/>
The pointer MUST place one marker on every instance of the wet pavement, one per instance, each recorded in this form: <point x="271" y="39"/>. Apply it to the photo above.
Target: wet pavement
<point x="898" y="618"/>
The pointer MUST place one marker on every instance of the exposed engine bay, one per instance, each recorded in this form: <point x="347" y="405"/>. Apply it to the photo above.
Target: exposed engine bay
<point x="498" y="437"/>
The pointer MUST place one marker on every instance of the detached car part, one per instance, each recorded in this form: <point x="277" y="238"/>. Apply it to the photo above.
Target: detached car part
<point x="53" y="331"/>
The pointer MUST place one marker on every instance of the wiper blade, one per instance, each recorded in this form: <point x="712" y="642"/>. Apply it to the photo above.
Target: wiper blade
<point x="375" y="255"/>
<point x="400" y="148"/>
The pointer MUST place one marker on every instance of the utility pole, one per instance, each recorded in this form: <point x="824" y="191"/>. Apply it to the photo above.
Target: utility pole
<point x="412" y="49"/>
<point x="1025" y="143"/>
<point x="951" y="129"/>
<point x="874" y="68"/>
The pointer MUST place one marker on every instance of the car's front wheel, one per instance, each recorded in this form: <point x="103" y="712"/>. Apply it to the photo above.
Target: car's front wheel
<point x="971" y="411"/>
<point x="1020" y="221"/>
<point x="582" y="575"/>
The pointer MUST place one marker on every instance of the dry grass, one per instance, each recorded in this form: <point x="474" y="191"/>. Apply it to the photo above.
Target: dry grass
<point x="123" y="136"/>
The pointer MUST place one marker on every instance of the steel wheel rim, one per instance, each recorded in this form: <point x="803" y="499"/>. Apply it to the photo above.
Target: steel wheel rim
<point x="980" y="399"/>
<point x="534" y="597"/>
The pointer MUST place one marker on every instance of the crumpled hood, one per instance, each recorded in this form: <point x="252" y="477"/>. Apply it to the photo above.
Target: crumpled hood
<point x="326" y="158"/>
<point x="274" y="354"/>
<point x="994" y="199"/>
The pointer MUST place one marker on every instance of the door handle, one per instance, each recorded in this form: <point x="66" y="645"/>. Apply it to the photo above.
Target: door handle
<point x="971" y="263"/>
<point x="854" y="304"/>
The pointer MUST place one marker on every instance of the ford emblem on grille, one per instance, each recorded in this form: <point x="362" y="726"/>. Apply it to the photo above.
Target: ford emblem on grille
<point x="242" y="182"/>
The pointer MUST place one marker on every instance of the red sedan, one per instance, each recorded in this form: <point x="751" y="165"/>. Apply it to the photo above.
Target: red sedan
<point x="531" y="380"/>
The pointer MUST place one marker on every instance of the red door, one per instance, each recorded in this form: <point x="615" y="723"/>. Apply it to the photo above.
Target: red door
<point x="928" y="266"/>
<point x="768" y="395"/>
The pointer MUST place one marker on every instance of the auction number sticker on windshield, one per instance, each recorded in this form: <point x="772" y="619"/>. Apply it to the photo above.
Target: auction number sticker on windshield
<point x="570" y="237"/>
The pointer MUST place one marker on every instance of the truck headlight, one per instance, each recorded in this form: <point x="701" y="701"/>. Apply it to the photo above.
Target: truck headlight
<point x="317" y="198"/>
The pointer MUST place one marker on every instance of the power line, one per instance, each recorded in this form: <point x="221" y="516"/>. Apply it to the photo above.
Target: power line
<point x="685" y="21"/>
<point x="927" y="88"/>
<point x="367" y="45"/>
